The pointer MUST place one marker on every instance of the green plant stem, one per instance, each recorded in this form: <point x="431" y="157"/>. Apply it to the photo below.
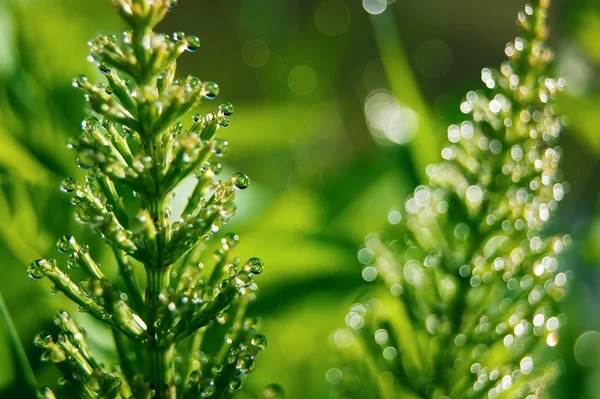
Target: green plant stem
<point x="159" y="360"/>
<point x="25" y="370"/>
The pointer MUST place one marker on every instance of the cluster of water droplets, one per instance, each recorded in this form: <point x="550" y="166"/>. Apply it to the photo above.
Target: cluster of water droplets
<point x="70" y="352"/>
<point x="467" y="281"/>
<point x="135" y="142"/>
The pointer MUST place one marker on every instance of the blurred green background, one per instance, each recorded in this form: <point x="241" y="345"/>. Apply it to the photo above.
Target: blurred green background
<point x="340" y="105"/>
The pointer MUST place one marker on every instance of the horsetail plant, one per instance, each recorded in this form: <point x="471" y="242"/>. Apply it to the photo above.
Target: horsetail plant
<point x="187" y="336"/>
<point x="466" y="281"/>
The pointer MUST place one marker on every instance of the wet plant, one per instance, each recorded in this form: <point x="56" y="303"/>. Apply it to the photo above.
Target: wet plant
<point x="466" y="281"/>
<point x="185" y="335"/>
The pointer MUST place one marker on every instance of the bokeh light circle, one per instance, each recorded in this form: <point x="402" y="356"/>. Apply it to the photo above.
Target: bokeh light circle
<point x="323" y="119"/>
<point x="434" y="58"/>
<point x="374" y="6"/>
<point x="302" y="80"/>
<point x="587" y="349"/>
<point x="332" y="18"/>
<point x="388" y="119"/>
<point x="256" y="53"/>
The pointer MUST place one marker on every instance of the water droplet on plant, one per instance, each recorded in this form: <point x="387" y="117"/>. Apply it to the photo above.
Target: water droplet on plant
<point x="62" y="380"/>
<point x="246" y="363"/>
<point x="226" y="109"/>
<point x="241" y="181"/>
<point x="273" y="391"/>
<point x="193" y="43"/>
<point x="221" y="147"/>
<point x="35" y="270"/>
<point x="178" y="36"/>
<point x="230" y="240"/>
<point x="68" y="185"/>
<point x="42" y="339"/>
<point x="80" y="81"/>
<point x="210" y="90"/>
<point x="208" y="389"/>
<point x="224" y="121"/>
<point x="64" y="245"/>
<point x="104" y="69"/>
<point x="259" y="341"/>
<point x="254" y="266"/>
<point x="252" y="323"/>
<point x="235" y="384"/>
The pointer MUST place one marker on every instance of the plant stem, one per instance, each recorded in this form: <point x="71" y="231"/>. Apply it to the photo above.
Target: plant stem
<point x="159" y="359"/>
<point x="25" y="370"/>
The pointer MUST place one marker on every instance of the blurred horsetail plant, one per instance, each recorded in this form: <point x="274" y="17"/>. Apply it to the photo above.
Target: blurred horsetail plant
<point x="466" y="283"/>
<point x="187" y="336"/>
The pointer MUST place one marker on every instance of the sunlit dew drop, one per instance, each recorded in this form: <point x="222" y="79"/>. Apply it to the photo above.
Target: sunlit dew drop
<point x="273" y="391"/>
<point x="374" y="6"/>
<point x="332" y="17"/>
<point x="256" y="53"/>
<point x="302" y="80"/>
<point x="552" y="339"/>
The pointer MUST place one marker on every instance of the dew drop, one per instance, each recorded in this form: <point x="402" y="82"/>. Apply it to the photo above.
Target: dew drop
<point x="210" y="90"/>
<point x="224" y="122"/>
<point x="80" y="81"/>
<point x="178" y="36"/>
<point x="273" y="391"/>
<point x="104" y="69"/>
<point x="246" y="363"/>
<point x="35" y="270"/>
<point x="226" y="109"/>
<point x="68" y="185"/>
<point x="235" y="384"/>
<point x="42" y="339"/>
<point x="193" y="44"/>
<point x="241" y="181"/>
<point x="254" y="266"/>
<point x="64" y="245"/>
<point x="230" y="240"/>
<point x="259" y="341"/>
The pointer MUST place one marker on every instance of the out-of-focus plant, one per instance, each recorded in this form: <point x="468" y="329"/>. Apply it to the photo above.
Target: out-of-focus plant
<point x="466" y="283"/>
<point x="187" y="335"/>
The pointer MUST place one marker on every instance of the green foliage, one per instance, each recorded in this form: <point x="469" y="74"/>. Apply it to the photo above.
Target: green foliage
<point x="466" y="281"/>
<point x="186" y="336"/>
